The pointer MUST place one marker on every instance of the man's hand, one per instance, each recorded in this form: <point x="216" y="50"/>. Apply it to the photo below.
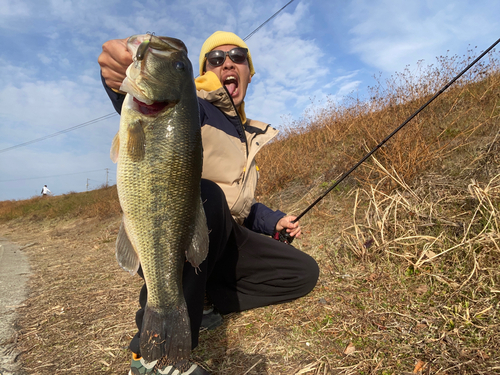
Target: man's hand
<point x="114" y="61"/>
<point x="293" y="229"/>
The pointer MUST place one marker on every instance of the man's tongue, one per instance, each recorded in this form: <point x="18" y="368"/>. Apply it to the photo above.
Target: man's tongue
<point x="231" y="87"/>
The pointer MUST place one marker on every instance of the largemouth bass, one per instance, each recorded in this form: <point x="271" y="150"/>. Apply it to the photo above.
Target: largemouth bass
<point x="158" y="152"/>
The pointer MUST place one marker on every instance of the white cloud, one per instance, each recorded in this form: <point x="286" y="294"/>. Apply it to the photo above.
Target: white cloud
<point x="348" y="88"/>
<point x="44" y="59"/>
<point x="292" y="70"/>
<point x="64" y="8"/>
<point x="391" y="34"/>
<point x="10" y="8"/>
<point x="287" y="66"/>
<point x="307" y="56"/>
<point x="34" y="109"/>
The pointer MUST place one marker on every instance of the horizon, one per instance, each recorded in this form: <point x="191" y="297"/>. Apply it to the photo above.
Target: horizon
<point x="308" y="54"/>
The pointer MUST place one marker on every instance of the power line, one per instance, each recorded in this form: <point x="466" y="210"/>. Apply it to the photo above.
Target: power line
<point x="105" y="117"/>
<point x="59" y="175"/>
<point x="109" y="115"/>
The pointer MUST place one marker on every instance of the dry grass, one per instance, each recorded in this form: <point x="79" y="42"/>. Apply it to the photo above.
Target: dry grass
<point x="101" y="203"/>
<point x="333" y="137"/>
<point x="69" y="322"/>
<point x="444" y="250"/>
<point x="408" y="249"/>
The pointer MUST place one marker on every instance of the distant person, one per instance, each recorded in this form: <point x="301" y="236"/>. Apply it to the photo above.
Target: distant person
<point x="45" y="190"/>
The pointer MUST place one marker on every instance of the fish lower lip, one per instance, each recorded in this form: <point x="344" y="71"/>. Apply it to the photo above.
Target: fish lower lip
<point x="151" y="109"/>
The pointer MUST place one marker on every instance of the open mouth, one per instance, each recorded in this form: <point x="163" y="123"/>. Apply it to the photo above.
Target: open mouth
<point x="231" y="84"/>
<point x="152" y="109"/>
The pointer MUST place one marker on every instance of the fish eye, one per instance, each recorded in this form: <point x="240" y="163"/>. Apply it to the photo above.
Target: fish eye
<point x="179" y="65"/>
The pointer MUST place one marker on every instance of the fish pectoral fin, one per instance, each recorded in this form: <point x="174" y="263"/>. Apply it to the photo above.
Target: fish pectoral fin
<point x="115" y="148"/>
<point x="136" y="143"/>
<point x="127" y="257"/>
<point x="198" y="249"/>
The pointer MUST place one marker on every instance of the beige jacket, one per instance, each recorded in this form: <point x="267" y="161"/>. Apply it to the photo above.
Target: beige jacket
<point x="229" y="154"/>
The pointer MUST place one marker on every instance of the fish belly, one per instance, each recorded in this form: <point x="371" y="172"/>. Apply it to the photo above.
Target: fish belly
<point x="160" y="199"/>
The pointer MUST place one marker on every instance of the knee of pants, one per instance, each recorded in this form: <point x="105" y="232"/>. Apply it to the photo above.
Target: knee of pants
<point x="311" y="275"/>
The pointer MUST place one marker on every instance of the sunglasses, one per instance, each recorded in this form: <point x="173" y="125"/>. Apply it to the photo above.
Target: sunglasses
<point x="237" y="55"/>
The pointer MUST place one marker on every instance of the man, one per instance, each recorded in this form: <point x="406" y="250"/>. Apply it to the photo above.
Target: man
<point x="243" y="269"/>
<point x="45" y="190"/>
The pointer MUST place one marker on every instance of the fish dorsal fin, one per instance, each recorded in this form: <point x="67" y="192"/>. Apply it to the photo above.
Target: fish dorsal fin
<point x="125" y="253"/>
<point x="198" y="249"/>
<point x="115" y="148"/>
<point x="136" y="143"/>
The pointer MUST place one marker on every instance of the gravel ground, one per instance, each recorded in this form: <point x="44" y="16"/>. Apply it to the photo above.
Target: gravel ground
<point x="14" y="273"/>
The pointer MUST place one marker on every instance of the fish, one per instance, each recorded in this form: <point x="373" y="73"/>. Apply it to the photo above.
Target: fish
<point x="159" y="157"/>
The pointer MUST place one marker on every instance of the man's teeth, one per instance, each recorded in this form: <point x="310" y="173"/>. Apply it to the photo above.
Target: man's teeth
<point x="231" y="84"/>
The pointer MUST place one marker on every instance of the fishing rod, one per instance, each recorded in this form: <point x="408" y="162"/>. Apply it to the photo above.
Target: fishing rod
<point x="284" y="236"/>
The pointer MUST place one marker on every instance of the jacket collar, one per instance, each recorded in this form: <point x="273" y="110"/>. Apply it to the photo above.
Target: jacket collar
<point x="211" y="89"/>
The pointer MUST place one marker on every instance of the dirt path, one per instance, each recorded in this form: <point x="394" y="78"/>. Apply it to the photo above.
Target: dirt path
<point x="79" y="310"/>
<point x="14" y="274"/>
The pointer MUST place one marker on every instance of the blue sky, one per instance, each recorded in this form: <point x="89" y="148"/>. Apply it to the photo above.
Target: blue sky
<point x="312" y="50"/>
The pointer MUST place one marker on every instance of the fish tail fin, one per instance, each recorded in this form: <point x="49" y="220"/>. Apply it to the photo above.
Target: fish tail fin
<point x="166" y="334"/>
<point x="198" y="248"/>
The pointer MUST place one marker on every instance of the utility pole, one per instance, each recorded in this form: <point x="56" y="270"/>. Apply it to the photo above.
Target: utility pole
<point x="87" y="184"/>
<point x="107" y="170"/>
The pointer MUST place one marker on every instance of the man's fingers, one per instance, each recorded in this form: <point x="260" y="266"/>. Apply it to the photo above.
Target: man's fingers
<point x="292" y="228"/>
<point x="287" y="223"/>
<point x="113" y="79"/>
<point x="296" y="232"/>
<point x="114" y="61"/>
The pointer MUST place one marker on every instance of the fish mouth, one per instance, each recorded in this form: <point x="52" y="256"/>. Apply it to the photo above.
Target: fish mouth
<point x="161" y="43"/>
<point x="152" y="109"/>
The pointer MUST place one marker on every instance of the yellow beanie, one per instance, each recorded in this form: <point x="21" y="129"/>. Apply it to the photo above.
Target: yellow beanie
<point x="220" y="38"/>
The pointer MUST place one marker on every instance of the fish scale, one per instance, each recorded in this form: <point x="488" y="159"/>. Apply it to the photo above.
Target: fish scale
<point x="159" y="155"/>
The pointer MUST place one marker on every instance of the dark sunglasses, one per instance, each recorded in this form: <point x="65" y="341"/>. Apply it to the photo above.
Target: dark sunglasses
<point x="216" y="58"/>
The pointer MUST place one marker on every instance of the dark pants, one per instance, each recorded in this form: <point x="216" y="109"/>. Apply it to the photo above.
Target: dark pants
<point x="243" y="269"/>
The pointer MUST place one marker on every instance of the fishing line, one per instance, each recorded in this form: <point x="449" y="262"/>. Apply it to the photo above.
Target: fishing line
<point x="269" y="19"/>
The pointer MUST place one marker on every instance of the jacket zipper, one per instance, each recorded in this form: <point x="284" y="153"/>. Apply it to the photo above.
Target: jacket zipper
<point x="241" y="129"/>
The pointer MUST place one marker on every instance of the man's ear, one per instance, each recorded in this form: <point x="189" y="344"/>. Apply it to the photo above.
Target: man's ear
<point x="250" y="79"/>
